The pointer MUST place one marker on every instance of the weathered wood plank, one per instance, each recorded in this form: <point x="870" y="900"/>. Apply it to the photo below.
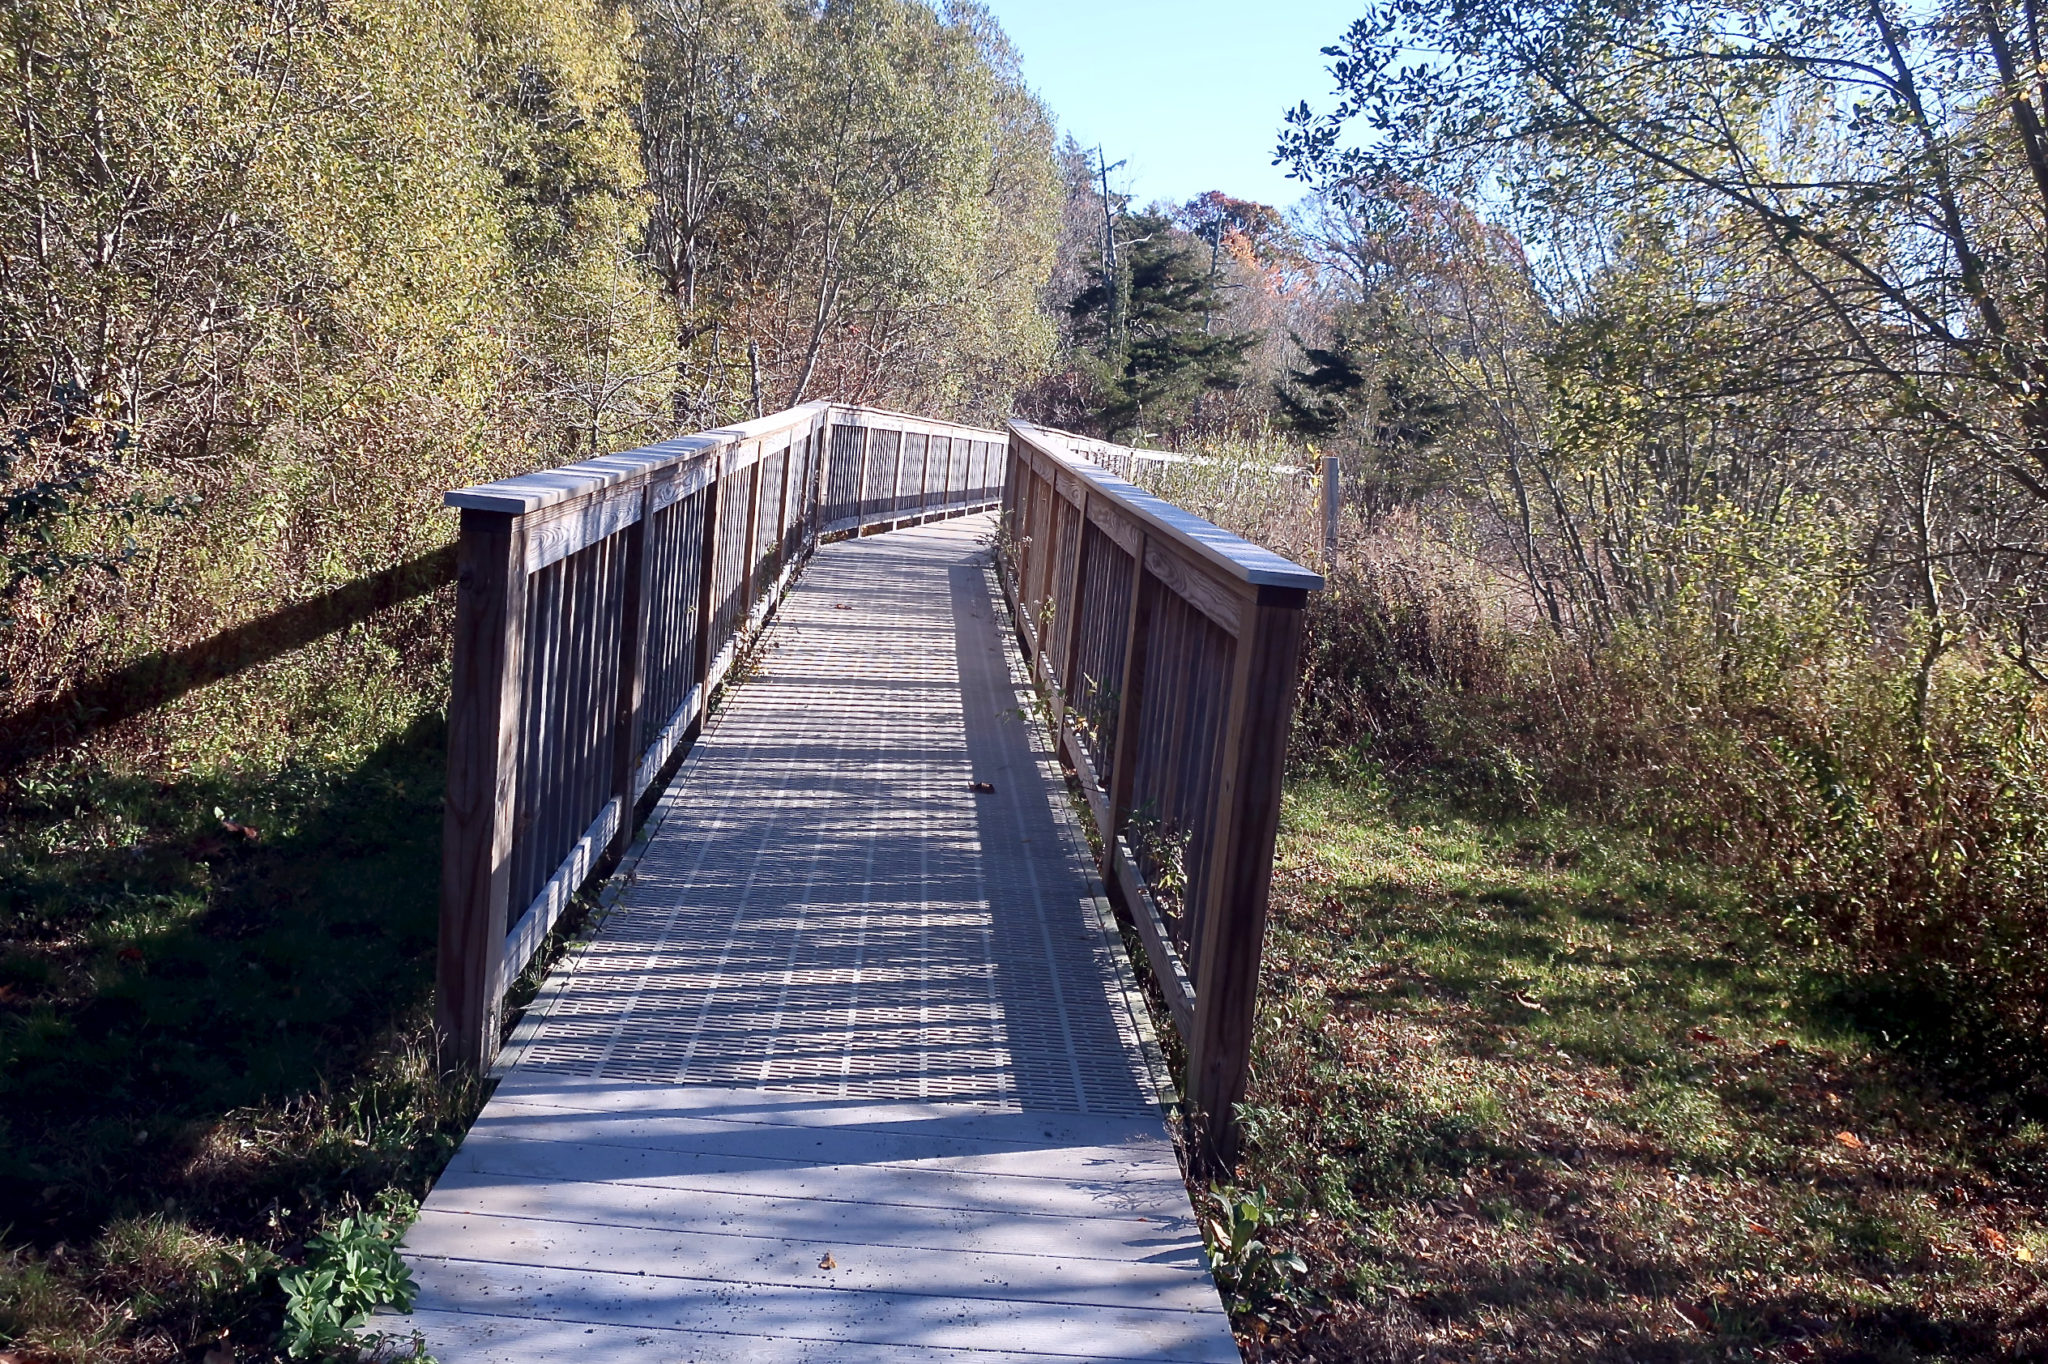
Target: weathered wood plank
<point x="1143" y="1155"/>
<point x="489" y="1338"/>
<point x="822" y="1313"/>
<point x="483" y="754"/>
<point x="935" y="1184"/>
<point x="724" y="1256"/>
<point x="1234" y="919"/>
<point x="1168" y="1241"/>
<point x="982" y="1125"/>
<point x="1195" y="586"/>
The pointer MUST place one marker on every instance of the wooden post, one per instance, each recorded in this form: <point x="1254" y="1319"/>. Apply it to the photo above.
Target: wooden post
<point x="789" y="476"/>
<point x="638" y="592"/>
<point x="1065" y="595"/>
<point x="1233" y="922"/>
<point x="750" y="557"/>
<point x="860" y="484"/>
<point x="1070" y="633"/>
<point x="707" y="581"/>
<point x="819" y="485"/>
<point x="1331" y="503"/>
<point x="1130" y="701"/>
<point x="1009" y="497"/>
<point x="483" y="761"/>
<point x="896" y="483"/>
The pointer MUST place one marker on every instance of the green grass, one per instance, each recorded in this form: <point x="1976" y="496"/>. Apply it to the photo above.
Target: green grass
<point x="1523" y="1091"/>
<point x="210" y="1044"/>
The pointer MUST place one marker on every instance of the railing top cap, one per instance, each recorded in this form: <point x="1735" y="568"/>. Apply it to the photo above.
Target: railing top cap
<point x="534" y="492"/>
<point x="1235" y="555"/>
<point x="884" y="418"/>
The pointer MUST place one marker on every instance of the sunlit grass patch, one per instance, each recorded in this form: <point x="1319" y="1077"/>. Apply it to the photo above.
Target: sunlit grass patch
<point x="1526" y="1091"/>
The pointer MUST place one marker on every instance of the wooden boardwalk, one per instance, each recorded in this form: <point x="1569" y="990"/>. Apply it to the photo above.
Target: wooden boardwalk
<point x="856" y="1069"/>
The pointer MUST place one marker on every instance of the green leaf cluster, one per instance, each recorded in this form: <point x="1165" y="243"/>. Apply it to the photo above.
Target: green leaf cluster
<point x="351" y="1269"/>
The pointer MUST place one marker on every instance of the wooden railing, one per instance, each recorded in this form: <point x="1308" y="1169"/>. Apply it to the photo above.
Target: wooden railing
<point x="598" y="608"/>
<point x="1167" y="647"/>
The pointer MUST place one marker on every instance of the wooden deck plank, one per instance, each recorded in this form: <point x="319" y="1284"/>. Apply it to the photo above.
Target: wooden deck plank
<point x="820" y="1313"/>
<point x="1099" y="1194"/>
<point x="483" y="1338"/>
<point x="1172" y="1240"/>
<point x="796" y="1263"/>
<point x="1133" y="1159"/>
<point x="847" y="1006"/>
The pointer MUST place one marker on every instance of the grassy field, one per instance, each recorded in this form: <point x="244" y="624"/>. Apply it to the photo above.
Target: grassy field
<point x="213" y="1024"/>
<point x="1525" y="1093"/>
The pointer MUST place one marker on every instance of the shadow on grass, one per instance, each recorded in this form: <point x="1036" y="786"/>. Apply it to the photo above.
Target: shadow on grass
<point x="1529" y="1088"/>
<point x="183" y="1007"/>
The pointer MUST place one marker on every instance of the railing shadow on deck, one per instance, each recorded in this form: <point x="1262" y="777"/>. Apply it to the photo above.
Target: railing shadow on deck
<point x="599" y="606"/>
<point x="1167" y="648"/>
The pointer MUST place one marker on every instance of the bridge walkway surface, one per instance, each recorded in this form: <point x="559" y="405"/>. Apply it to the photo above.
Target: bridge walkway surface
<point x="855" y="1069"/>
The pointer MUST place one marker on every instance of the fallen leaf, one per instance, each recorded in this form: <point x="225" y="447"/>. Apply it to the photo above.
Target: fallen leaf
<point x="1758" y="1229"/>
<point x="1779" y="1044"/>
<point x="828" y="1262"/>
<point x="842" y="606"/>
<point x="1703" y="1035"/>
<point x="2023" y="1255"/>
<point x="986" y="788"/>
<point x="1995" y="1239"/>
<point x="130" y="954"/>
<point x="1850" y="1140"/>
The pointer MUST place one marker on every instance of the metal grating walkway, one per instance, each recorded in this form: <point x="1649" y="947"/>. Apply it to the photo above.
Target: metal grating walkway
<point x="855" y="1069"/>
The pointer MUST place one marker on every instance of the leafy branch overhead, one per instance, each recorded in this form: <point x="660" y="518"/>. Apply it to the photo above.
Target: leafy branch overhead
<point x="1891" y="162"/>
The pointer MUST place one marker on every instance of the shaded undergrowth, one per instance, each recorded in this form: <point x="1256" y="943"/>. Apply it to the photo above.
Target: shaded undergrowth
<point x="1524" y="1092"/>
<point x="214" y="1010"/>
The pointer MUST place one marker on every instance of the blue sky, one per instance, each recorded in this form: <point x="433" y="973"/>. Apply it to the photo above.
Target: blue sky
<point x="1191" y="94"/>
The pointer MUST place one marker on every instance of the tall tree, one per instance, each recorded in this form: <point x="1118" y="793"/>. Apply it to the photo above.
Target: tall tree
<point x="1894" y="158"/>
<point x="1150" y="370"/>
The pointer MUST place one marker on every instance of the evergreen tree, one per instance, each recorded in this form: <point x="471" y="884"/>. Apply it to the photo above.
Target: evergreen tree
<point x="1357" y="393"/>
<point x="1148" y="340"/>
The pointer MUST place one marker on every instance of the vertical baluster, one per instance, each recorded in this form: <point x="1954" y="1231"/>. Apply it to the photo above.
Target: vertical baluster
<point x="1130" y="704"/>
<point x="636" y="601"/>
<point x="707" y="579"/>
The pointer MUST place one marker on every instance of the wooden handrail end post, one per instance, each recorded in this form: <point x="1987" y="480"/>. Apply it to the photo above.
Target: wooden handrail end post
<point x="483" y="755"/>
<point x="1234" y="923"/>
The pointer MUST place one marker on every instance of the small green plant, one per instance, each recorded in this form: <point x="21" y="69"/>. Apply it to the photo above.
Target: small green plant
<point x="1254" y="1278"/>
<point x="1162" y="855"/>
<point x="351" y="1269"/>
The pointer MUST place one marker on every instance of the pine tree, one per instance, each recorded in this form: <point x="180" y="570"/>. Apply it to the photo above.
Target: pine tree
<point x="1147" y="335"/>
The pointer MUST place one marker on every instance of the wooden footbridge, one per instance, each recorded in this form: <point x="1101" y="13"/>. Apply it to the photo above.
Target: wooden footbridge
<point x="851" y="1063"/>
